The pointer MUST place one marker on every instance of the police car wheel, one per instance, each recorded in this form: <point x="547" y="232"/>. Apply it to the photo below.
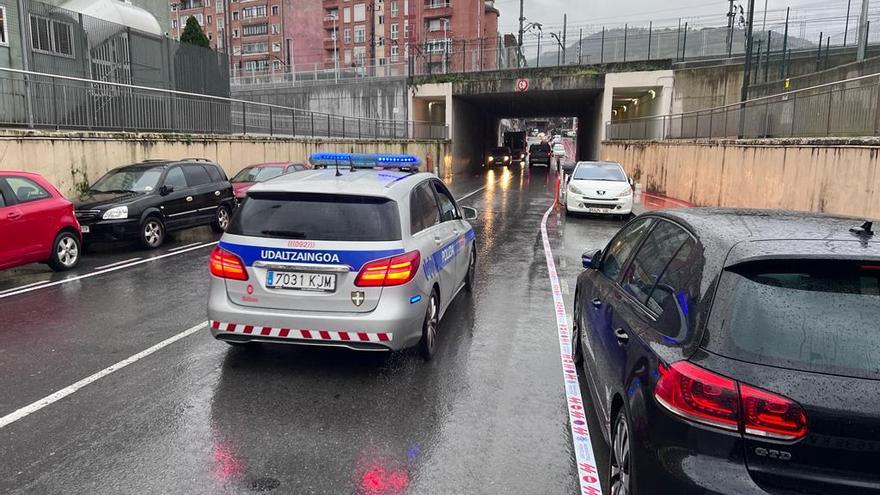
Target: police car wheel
<point x="471" y="273"/>
<point x="152" y="233"/>
<point x="221" y="219"/>
<point x="430" y="327"/>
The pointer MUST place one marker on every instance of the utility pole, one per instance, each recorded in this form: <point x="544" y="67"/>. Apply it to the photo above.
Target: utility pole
<point x="730" y="16"/>
<point x="522" y="19"/>
<point x="744" y="95"/>
<point x="846" y="26"/>
<point x="564" y="28"/>
<point x="580" y="43"/>
<point x="863" y="31"/>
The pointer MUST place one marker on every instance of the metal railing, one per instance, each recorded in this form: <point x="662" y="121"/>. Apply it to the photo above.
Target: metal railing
<point x="39" y="100"/>
<point x="849" y="108"/>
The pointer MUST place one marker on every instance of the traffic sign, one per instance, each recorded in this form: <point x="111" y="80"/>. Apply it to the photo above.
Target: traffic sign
<point x="522" y="85"/>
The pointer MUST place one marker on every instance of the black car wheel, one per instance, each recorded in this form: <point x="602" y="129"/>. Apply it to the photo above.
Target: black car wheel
<point x="430" y="327"/>
<point x="620" y="460"/>
<point x="152" y="233"/>
<point x="65" y="252"/>
<point x="221" y="219"/>
<point x="577" y="352"/>
<point x="471" y="273"/>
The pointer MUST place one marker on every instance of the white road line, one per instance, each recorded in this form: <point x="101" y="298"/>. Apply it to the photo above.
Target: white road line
<point x="23" y="286"/>
<point x="116" y="264"/>
<point x="466" y="196"/>
<point x="178" y="248"/>
<point x="588" y="475"/>
<point x="22" y="290"/>
<point x="64" y="392"/>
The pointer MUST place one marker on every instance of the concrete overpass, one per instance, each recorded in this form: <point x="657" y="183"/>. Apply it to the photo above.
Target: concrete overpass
<point x="473" y="104"/>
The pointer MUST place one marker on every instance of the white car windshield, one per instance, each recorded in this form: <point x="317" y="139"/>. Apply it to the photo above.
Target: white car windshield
<point x="599" y="171"/>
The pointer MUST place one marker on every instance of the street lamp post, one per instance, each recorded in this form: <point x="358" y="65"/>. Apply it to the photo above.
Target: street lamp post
<point x="335" y="49"/>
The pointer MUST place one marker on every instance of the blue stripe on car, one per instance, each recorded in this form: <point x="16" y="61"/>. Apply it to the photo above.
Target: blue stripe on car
<point x="354" y="259"/>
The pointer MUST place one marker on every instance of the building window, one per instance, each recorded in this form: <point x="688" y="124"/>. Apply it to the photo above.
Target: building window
<point x="406" y="32"/>
<point x="276" y="28"/>
<point x="236" y="50"/>
<point x="220" y="23"/>
<point x="276" y="65"/>
<point x="235" y="33"/>
<point x="346" y="35"/>
<point x="438" y="24"/>
<point x="276" y="47"/>
<point x="395" y="53"/>
<point x="252" y="48"/>
<point x="252" y="12"/>
<point x="395" y="31"/>
<point x="255" y="30"/>
<point x="219" y="6"/>
<point x="436" y="46"/>
<point x="360" y="34"/>
<point x="255" y="65"/>
<point x="51" y="36"/>
<point x="347" y="58"/>
<point x="4" y="33"/>
<point x="381" y="62"/>
<point x="359" y="53"/>
<point x="381" y="19"/>
<point x="346" y="14"/>
<point x="393" y="8"/>
<point x="235" y="16"/>
<point x="173" y="22"/>
<point x="210" y="20"/>
<point x="275" y="10"/>
<point x="360" y="12"/>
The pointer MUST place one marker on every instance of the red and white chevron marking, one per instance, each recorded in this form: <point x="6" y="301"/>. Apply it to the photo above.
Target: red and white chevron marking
<point x="302" y="333"/>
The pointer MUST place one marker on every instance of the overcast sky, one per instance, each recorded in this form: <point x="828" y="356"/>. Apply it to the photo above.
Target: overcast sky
<point x="597" y="12"/>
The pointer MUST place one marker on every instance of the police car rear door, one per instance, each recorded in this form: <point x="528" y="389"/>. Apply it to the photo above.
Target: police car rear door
<point x="303" y="251"/>
<point x="428" y="234"/>
<point x="449" y="247"/>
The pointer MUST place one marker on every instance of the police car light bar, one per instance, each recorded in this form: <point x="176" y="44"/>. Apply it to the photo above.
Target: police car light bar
<point x="365" y="160"/>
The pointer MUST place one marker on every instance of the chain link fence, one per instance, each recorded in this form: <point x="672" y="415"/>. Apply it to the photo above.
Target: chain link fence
<point x="849" y="108"/>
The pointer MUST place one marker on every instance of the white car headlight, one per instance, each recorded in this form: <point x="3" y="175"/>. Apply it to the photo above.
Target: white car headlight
<point x="491" y="158"/>
<point x="117" y="213"/>
<point x="626" y="193"/>
<point x="573" y="188"/>
<point x="506" y="158"/>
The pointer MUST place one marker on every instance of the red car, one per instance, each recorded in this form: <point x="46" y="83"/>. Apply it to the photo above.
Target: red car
<point x="261" y="172"/>
<point x="37" y="223"/>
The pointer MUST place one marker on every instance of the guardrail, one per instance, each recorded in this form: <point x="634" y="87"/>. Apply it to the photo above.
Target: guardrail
<point x="39" y="100"/>
<point x="849" y="108"/>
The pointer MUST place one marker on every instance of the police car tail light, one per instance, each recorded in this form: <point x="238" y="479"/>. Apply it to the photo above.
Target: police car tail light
<point x="227" y="265"/>
<point x="389" y="272"/>
<point x="702" y="396"/>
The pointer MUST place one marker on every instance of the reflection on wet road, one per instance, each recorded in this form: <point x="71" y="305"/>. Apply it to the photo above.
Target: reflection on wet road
<point x="487" y="415"/>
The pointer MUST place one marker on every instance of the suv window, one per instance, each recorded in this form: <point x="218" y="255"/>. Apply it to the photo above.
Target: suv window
<point x="423" y="210"/>
<point x="175" y="178"/>
<point x="810" y="315"/>
<point x="448" y="211"/>
<point x="317" y="217"/>
<point x="26" y="190"/>
<point x="621" y="247"/>
<point x="215" y="173"/>
<point x="648" y="264"/>
<point x="196" y="175"/>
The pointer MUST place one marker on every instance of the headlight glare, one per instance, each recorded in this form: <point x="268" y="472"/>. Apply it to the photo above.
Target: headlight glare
<point x="626" y="193"/>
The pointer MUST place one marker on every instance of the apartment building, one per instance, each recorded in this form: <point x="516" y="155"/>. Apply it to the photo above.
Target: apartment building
<point x="441" y="35"/>
<point x="262" y="35"/>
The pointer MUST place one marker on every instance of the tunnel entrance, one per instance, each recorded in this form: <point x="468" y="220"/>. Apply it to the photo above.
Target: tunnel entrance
<point x="479" y="122"/>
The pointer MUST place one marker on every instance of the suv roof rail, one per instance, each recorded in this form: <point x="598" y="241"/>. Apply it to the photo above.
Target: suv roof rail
<point x="156" y="160"/>
<point x="195" y="160"/>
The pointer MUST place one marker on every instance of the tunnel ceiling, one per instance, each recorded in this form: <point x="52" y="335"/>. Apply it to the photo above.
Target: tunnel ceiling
<point x="560" y="103"/>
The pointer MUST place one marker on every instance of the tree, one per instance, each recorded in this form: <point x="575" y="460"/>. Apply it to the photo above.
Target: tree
<point x="193" y="34"/>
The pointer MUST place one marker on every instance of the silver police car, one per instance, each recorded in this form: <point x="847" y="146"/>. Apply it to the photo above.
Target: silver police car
<point x="345" y="256"/>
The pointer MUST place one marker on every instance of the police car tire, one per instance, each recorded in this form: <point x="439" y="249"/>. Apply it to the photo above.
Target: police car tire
<point x="428" y="344"/>
<point x="470" y="278"/>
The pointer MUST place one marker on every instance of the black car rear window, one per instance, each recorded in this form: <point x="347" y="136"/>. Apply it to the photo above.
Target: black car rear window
<point x="810" y="315"/>
<point x="540" y="147"/>
<point x="317" y="217"/>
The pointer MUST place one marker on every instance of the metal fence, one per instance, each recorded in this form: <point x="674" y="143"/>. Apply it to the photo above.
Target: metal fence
<point x="849" y="108"/>
<point x="39" y="100"/>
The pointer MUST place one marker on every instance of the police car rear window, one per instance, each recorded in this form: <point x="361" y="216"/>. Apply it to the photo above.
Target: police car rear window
<point x="317" y="217"/>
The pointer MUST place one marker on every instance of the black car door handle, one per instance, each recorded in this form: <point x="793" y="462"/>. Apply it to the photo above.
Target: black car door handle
<point x="621" y="335"/>
<point x="596" y="302"/>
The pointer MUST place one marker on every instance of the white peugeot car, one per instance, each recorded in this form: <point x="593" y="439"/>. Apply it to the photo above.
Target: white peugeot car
<point x="599" y="187"/>
<point x="343" y="256"/>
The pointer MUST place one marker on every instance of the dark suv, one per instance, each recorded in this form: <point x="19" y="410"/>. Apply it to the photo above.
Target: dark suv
<point x="735" y="352"/>
<point x="146" y="200"/>
<point x="540" y="153"/>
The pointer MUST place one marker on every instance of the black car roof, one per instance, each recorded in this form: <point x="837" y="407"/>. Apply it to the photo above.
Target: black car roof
<point x="165" y="163"/>
<point x="729" y="226"/>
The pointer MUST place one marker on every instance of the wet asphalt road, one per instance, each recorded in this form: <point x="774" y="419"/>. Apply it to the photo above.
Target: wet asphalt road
<point x="487" y="415"/>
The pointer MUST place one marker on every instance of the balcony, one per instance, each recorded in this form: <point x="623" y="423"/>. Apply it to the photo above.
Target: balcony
<point x="328" y="44"/>
<point x="330" y="23"/>
<point x="330" y="3"/>
<point x="437" y="8"/>
<point x="190" y="5"/>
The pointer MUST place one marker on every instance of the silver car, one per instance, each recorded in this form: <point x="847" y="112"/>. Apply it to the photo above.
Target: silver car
<point x="358" y="258"/>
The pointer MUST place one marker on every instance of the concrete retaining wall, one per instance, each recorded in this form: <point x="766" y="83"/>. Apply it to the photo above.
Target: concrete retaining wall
<point x="71" y="159"/>
<point x="833" y="176"/>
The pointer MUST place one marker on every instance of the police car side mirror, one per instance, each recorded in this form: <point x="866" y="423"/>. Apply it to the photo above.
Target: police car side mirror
<point x="591" y="259"/>
<point x="469" y="213"/>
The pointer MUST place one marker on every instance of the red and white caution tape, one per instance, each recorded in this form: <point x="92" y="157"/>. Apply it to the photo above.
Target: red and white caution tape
<point x="588" y="475"/>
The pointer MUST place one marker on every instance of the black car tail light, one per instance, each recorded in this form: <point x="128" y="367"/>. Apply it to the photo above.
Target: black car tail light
<point x="702" y="396"/>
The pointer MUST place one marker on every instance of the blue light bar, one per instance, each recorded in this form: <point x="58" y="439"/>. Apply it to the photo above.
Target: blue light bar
<point x="365" y="160"/>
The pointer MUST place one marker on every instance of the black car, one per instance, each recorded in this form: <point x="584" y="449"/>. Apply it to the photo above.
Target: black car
<point x="735" y="352"/>
<point x="147" y="200"/>
<point x="540" y="153"/>
<point x="498" y="156"/>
